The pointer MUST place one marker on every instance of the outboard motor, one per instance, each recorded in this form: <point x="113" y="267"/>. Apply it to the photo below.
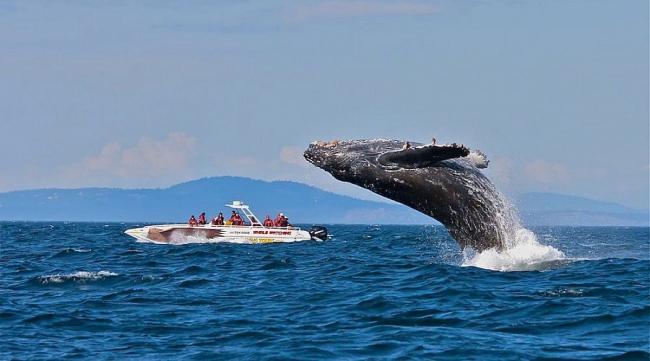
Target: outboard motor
<point x="318" y="232"/>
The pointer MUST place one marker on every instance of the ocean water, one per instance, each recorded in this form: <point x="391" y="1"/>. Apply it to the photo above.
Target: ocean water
<point x="86" y="290"/>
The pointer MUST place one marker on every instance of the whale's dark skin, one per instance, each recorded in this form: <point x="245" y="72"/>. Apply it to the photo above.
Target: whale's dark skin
<point x="443" y="182"/>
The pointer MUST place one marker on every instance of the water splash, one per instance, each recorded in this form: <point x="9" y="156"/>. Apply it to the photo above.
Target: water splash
<point x="523" y="253"/>
<point x="522" y="250"/>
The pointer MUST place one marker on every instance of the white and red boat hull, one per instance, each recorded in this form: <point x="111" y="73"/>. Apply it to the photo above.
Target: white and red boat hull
<point x="183" y="233"/>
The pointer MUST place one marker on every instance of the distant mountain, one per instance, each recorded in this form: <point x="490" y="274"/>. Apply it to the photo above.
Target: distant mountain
<point x="560" y="209"/>
<point x="302" y="203"/>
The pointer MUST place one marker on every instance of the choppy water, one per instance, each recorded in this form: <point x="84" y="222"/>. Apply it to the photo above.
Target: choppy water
<point x="86" y="290"/>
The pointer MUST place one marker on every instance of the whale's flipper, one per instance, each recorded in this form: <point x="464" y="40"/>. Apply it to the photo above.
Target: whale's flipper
<point x="422" y="157"/>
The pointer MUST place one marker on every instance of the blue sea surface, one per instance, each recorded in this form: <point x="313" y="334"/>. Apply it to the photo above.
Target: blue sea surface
<point x="86" y="290"/>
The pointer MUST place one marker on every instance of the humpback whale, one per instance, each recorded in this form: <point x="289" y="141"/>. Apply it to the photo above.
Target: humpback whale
<point x="442" y="181"/>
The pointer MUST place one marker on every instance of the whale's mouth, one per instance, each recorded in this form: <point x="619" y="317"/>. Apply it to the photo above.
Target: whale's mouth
<point x="329" y="156"/>
<point x="316" y="154"/>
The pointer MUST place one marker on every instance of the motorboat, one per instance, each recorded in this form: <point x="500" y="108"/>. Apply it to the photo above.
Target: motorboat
<point x="252" y="232"/>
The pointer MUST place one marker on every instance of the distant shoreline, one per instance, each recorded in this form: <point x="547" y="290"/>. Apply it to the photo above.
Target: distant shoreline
<point x="302" y="203"/>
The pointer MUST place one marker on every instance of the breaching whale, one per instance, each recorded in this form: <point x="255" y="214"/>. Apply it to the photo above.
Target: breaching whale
<point x="441" y="181"/>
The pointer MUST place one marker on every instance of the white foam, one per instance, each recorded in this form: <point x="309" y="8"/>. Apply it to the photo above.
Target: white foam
<point x="524" y="253"/>
<point x="76" y="276"/>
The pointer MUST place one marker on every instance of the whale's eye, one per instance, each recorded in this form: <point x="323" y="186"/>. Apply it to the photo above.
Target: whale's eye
<point x="422" y="157"/>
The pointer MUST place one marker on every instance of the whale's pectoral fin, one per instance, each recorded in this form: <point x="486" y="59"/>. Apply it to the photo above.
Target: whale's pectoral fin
<point x="422" y="157"/>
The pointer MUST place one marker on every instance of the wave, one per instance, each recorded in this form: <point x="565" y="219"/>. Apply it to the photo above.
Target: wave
<point x="70" y="251"/>
<point x="80" y="276"/>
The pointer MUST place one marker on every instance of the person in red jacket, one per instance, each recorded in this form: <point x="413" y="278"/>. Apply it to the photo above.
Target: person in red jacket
<point x="281" y="221"/>
<point x="268" y="222"/>
<point x="236" y="219"/>
<point x="278" y="220"/>
<point x="202" y="220"/>
<point x="192" y="221"/>
<point x="218" y="220"/>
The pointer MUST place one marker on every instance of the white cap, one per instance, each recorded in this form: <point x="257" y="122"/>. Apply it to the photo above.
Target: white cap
<point x="282" y="214"/>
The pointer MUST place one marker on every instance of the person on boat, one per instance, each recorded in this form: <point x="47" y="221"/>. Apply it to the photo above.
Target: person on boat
<point x="202" y="220"/>
<point x="193" y="221"/>
<point x="406" y="146"/>
<point x="218" y="220"/>
<point x="268" y="222"/>
<point x="278" y="219"/>
<point x="281" y="221"/>
<point x="235" y="219"/>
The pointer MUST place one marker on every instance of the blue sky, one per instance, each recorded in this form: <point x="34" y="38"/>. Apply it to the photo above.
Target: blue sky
<point x="146" y="94"/>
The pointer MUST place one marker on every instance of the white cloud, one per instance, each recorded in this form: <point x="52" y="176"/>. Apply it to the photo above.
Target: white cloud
<point x="545" y="172"/>
<point x="362" y="8"/>
<point x="512" y="176"/>
<point x="147" y="158"/>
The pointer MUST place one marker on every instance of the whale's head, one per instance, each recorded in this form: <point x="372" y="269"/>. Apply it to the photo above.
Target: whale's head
<point x="356" y="161"/>
<point x="349" y="160"/>
<point x="442" y="181"/>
